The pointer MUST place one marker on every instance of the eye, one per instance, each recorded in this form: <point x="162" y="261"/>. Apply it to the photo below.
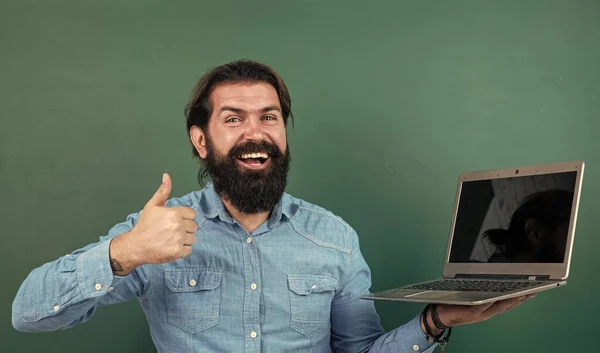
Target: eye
<point x="233" y="119"/>
<point x="269" y="117"/>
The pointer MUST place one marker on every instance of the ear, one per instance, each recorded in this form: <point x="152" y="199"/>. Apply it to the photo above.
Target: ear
<point x="533" y="231"/>
<point x="198" y="138"/>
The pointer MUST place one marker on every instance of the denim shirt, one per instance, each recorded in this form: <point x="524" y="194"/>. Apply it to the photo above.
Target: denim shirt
<point x="292" y="285"/>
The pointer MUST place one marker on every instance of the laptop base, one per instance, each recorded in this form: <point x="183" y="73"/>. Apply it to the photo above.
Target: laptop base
<point x="404" y="294"/>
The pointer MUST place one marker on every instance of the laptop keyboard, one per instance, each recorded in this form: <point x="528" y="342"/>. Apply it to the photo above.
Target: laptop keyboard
<point x="475" y="285"/>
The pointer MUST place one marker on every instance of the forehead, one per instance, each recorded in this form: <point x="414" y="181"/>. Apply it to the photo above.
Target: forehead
<point x="248" y="96"/>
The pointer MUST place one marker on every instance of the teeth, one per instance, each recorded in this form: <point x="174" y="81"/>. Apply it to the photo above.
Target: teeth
<point x="255" y="155"/>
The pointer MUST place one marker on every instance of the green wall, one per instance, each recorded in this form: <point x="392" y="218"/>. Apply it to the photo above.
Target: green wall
<point x="393" y="100"/>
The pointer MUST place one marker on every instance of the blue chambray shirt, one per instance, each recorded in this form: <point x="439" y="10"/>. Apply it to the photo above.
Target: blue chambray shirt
<point x="292" y="285"/>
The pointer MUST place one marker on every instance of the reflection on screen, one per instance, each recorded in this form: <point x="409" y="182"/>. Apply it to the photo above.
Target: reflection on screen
<point x="514" y="220"/>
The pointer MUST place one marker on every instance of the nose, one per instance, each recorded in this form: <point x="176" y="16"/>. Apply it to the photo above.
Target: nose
<point x="254" y="130"/>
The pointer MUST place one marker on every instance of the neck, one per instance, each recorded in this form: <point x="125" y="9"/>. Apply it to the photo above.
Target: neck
<point x="249" y="221"/>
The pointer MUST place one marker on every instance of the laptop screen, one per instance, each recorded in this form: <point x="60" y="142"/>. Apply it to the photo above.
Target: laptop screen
<point x="520" y="219"/>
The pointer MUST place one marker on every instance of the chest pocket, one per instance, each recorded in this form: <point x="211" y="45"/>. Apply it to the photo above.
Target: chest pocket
<point x="310" y="299"/>
<point x="193" y="298"/>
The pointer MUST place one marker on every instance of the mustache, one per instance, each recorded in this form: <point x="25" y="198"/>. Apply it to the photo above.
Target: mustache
<point x="255" y="147"/>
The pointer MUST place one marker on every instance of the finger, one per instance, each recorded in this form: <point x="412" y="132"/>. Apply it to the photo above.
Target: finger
<point x="517" y="304"/>
<point x="524" y="299"/>
<point x="189" y="240"/>
<point x="514" y="305"/>
<point x="501" y="306"/>
<point x="186" y="251"/>
<point x="190" y="226"/>
<point x="186" y="213"/>
<point x="161" y="195"/>
<point x="481" y="308"/>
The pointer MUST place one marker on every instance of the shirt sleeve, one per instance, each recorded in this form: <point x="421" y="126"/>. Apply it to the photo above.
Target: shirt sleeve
<point x="355" y="323"/>
<point x="67" y="291"/>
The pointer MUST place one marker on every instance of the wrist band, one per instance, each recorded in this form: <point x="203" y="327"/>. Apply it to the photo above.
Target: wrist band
<point x="429" y="334"/>
<point x="436" y="319"/>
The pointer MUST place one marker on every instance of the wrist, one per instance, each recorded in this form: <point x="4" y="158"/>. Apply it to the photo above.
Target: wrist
<point x="433" y="330"/>
<point x="122" y="257"/>
<point x="443" y="314"/>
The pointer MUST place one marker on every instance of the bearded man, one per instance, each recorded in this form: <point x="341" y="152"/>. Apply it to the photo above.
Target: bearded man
<point x="239" y="265"/>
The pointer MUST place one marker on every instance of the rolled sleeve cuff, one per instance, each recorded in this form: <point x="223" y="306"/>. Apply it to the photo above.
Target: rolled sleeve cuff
<point x="94" y="275"/>
<point x="417" y="341"/>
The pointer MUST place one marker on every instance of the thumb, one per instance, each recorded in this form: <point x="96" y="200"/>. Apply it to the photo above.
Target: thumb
<point x="162" y="194"/>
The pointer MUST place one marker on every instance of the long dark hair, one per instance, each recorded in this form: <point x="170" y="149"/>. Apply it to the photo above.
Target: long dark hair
<point x="550" y="207"/>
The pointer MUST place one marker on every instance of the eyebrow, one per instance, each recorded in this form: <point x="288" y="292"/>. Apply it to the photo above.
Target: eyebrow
<point x="238" y="110"/>
<point x="271" y="108"/>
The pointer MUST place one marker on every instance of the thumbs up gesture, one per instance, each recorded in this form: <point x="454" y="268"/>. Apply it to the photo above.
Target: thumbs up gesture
<point x="162" y="234"/>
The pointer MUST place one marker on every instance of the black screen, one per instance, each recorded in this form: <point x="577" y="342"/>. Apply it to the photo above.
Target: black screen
<point x="521" y="219"/>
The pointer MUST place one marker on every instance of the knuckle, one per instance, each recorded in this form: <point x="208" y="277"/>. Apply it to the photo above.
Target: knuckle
<point x="174" y="214"/>
<point x="173" y="224"/>
<point x="175" y="254"/>
<point x="186" y="251"/>
<point x="178" y="237"/>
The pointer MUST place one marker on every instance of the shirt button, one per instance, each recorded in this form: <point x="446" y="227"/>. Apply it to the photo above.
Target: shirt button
<point x="253" y="286"/>
<point x="249" y="240"/>
<point x="56" y="307"/>
<point x="193" y="282"/>
<point x="415" y="348"/>
<point x="253" y="334"/>
<point x="110" y="289"/>
<point x="98" y="286"/>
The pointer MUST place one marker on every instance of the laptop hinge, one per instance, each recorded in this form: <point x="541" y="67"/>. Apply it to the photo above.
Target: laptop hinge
<point x="508" y="277"/>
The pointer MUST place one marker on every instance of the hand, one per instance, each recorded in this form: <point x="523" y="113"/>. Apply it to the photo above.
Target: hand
<point x="162" y="234"/>
<point x="456" y="315"/>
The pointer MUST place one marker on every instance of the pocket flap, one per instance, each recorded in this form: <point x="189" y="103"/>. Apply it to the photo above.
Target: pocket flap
<point x="306" y="284"/>
<point x="192" y="279"/>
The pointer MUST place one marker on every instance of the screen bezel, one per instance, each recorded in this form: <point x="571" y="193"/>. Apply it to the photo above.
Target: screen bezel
<point x="556" y="271"/>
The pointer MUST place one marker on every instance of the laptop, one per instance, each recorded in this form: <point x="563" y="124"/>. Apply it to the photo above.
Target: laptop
<point x="511" y="234"/>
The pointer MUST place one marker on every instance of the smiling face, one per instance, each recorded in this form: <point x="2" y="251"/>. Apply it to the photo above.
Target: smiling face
<point x="244" y="146"/>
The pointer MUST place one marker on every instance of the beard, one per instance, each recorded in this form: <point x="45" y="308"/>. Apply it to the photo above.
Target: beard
<point x="249" y="191"/>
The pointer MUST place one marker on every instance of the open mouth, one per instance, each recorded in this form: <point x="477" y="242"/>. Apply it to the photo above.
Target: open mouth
<point x="254" y="160"/>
